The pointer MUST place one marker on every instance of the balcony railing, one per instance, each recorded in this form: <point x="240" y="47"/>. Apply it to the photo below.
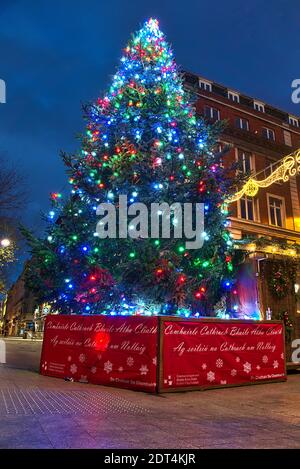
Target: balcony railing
<point x="258" y="140"/>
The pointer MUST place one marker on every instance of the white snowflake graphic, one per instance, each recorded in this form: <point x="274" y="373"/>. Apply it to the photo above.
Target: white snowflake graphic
<point x="120" y="369"/>
<point x="275" y="364"/>
<point x="258" y="367"/>
<point x="204" y="366"/>
<point x="130" y="361"/>
<point x="223" y="381"/>
<point x="237" y="359"/>
<point x="144" y="369"/>
<point x="108" y="367"/>
<point x="247" y="367"/>
<point x="168" y="381"/>
<point x="93" y="369"/>
<point x="69" y="358"/>
<point x="265" y="359"/>
<point x="233" y="372"/>
<point x="82" y="358"/>
<point x="219" y="363"/>
<point x="210" y="376"/>
<point x="282" y="356"/>
<point x="154" y="361"/>
<point x="73" y="368"/>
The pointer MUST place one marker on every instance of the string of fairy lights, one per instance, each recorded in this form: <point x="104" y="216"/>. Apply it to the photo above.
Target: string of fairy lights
<point x="288" y="167"/>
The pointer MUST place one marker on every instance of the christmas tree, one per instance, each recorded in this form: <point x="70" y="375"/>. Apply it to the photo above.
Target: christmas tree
<point x="144" y="141"/>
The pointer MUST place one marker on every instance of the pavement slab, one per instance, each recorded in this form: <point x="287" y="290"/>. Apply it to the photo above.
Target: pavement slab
<point x="43" y="412"/>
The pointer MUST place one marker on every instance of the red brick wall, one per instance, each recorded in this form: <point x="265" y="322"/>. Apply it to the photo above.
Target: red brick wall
<point x="263" y="157"/>
<point x="257" y="120"/>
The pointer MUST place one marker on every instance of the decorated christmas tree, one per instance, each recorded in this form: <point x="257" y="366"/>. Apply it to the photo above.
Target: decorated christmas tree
<point x="144" y="141"/>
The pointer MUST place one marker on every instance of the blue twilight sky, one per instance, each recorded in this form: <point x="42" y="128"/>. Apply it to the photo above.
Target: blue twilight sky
<point x="57" y="54"/>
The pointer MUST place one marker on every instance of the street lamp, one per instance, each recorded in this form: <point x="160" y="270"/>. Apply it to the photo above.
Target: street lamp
<point x="5" y="242"/>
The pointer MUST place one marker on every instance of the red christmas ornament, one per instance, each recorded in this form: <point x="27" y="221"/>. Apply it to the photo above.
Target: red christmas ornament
<point x="94" y="285"/>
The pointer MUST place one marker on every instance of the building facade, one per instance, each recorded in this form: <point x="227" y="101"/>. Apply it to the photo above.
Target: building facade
<point x="2" y="315"/>
<point x="258" y="137"/>
<point x="19" y="309"/>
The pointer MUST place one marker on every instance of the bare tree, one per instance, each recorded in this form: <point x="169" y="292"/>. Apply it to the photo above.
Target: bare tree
<point x="13" y="195"/>
<point x="12" y="188"/>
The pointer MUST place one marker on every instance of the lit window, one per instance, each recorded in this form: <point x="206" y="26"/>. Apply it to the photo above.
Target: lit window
<point x="293" y="121"/>
<point x="247" y="208"/>
<point x="212" y="113"/>
<point x="269" y="134"/>
<point x="242" y="123"/>
<point x="259" y="106"/>
<point x="276" y="212"/>
<point x="245" y="161"/>
<point x="204" y="85"/>
<point x="233" y="97"/>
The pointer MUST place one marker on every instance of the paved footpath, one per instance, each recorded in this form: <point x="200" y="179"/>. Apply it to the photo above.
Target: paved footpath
<point x="42" y="412"/>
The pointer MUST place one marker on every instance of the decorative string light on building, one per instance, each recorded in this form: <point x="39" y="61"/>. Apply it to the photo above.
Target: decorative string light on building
<point x="291" y="251"/>
<point x="289" y="167"/>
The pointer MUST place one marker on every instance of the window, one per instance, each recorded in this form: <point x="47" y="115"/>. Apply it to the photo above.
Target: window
<point x="212" y="113"/>
<point x="233" y="97"/>
<point x="269" y="134"/>
<point x="242" y="123"/>
<point x="276" y="210"/>
<point x="287" y="138"/>
<point x="204" y="85"/>
<point x="220" y="151"/>
<point x="245" y="161"/>
<point x="259" y="106"/>
<point x="247" y="208"/>
<point x="217" y="150"/>
<point x="293" y="121"/>
<point x="270" y="167"/>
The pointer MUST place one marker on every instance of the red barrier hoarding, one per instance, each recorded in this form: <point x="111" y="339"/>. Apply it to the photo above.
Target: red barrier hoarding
<point x="114" y="351"/>
<point x="162" y="353"/>
<point x="220" y="353"/>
